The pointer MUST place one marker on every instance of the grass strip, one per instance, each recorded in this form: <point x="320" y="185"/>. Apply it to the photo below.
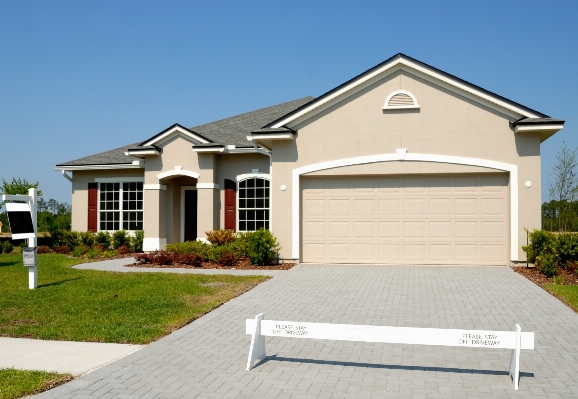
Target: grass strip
<point x="18" y="383"/>
<point x="566" y="293"/>
<point x="97" y="306"/>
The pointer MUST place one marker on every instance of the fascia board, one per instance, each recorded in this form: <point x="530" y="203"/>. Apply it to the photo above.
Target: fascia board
<point x="411" y="67"/>
<point x="272" y="136"/>
<point x="210" y="149"/>
<point x="172" y="131"/>
<point x="99" y="167"/>
<point x="537" y="128"/>
<point x="142" y="152"/>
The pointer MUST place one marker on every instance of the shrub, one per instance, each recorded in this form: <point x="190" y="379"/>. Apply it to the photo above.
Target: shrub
<point x="228" y="259"/>
<point x="546" y="263"/>
<point x="558" y="280"/>
<point x="1" y="247"/>
<point x="566" y="248"/>
<point x="7" y="247"/>
<point x="190" y="259"/>
<point x="109" y="253"/>
<point x="80" y="250"/>
<point x="94" y="252"/>
<point x="572" y="267"/>
<point x="205" y="251"/>
<point x="120" y="238"/>
<point x="63" y="249"/>
<point x="136" y="241"/>
<point x="87" y="238"/>
<point x="44" y="249"/>
<point x="541" y="242"/>
<point x="102" y="238"/>
<point x="163" y="258"/>
<point x="142" y="258"/>
<point x="220" y="237"/>
<point x="263" y="247"/>
<point x="123" y="250"/>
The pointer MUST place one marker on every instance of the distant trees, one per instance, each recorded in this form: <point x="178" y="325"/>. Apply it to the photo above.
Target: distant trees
<point x="561" y="213"/>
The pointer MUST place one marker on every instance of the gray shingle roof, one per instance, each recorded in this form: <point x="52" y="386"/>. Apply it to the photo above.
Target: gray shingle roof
<point x="234" y="130"/>
<point x="115" y="156"/>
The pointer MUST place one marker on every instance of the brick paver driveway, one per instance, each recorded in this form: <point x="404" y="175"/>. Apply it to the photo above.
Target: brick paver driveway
<point x="206" y="359"/>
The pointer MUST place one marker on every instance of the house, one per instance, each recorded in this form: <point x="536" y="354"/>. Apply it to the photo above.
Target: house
<point x="404" y="163"/>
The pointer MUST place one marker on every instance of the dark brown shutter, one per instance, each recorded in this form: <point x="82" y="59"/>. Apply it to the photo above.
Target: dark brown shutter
<point x="92" y="206"/>
<point x="230" y="205"/>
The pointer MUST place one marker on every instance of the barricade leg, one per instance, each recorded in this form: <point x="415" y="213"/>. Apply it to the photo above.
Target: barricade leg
<point x="257" y="350"/>
<point x="514" y="371"/>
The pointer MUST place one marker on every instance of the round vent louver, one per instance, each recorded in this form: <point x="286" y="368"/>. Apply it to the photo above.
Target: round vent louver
<point x="401" y="99"/>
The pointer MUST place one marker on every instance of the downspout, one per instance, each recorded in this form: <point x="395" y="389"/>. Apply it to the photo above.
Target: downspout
<point x="66" y="176"/>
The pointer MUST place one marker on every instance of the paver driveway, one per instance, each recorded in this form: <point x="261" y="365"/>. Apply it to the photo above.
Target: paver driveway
<point x="207" y="358"/>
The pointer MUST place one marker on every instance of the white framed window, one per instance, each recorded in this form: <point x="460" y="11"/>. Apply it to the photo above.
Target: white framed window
<point x="120" y="206"/>
<point x="253" y="203"/>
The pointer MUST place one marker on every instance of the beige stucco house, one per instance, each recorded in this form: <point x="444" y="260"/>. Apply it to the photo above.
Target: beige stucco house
<point x="404" y="163"/>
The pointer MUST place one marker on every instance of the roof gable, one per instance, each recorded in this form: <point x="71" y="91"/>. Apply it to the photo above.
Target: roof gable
<point x="175" y="129"/>
<point x="403" y="62"/>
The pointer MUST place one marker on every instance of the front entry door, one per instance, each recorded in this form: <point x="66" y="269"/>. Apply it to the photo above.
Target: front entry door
<point x="190" y="215"/>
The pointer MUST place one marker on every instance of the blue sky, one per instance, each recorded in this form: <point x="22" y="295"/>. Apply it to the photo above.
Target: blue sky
<point x="81" y="77"/>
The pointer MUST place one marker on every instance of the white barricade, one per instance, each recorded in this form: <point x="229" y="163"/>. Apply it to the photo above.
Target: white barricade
<point x="259" y="328"/>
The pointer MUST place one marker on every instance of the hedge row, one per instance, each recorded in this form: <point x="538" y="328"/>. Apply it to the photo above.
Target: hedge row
<point x="104" y="239"/>
<point x="549" y="251"/>
<point x="260" y="247"/>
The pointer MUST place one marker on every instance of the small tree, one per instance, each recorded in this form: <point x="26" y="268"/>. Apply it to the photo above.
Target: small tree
<point x="17" y="186"/>
<point x="564" y="187"/>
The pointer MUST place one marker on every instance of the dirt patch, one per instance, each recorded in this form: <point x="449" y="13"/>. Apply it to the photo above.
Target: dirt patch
<point x="536" y="276"/>
<point x="243" y="264"/>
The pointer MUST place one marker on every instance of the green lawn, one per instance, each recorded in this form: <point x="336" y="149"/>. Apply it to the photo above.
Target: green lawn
<point x="19" y="383"/>
<point x="566" y="293"/>
<point x="89" y="305"/>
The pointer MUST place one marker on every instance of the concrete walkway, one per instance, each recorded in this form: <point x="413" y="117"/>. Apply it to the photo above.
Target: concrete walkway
<point x="76" y="358"/>
<point x="118" y="265"/>
<point x="207" y="358"/>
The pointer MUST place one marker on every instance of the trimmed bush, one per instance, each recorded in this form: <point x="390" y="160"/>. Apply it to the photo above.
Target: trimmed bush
<point x="7" y="247"/>
<point x="263" y="247"/>
<point x="566" y="248"/>
<point x="541" y="242"/>
<point x="80" y="250"/>
<point x="120" y="238"/>
<point x="190" y="260"/>
<point x="87" y="238"/>
<point x="205" y="251"/>
<point x="44" y="249"/>
<point x="220" y="237"/>
<point x="136" y="241"/>
<point x="103" y="239"/>
<point x="227" y="259"/>
<point x="123" y="250"/>
<point x="546" y="263"/>
<point x="63" y="249"/>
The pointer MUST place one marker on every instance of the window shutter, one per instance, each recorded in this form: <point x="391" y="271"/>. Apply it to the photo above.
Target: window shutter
<point x="230" y="205"/>
<point x="92" y="206"/>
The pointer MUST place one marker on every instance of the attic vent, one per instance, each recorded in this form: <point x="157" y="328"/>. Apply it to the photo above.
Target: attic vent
<point x="401" y="99"/>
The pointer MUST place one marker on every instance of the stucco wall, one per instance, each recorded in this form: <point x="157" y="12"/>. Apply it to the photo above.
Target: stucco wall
<point x="445" y="124"/>
<point x="80" y="180"/>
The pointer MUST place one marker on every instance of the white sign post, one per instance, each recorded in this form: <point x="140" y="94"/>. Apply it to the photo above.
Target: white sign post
<point x="22" y="217"/>
<point x="259" y="328"/>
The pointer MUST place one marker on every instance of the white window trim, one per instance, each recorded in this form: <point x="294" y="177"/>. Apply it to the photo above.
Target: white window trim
<point x="485" y="163"/>
<point x="182" y="217"/>
<point x="246" y="176"/>
<point x="114" y="180"/>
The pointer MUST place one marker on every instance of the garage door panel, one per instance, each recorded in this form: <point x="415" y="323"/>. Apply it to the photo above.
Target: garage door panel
<point x="339" y="207"/>
<point x="364" y="207"/>
<point x="339" y="229"/>
<point x="406" y="219"/>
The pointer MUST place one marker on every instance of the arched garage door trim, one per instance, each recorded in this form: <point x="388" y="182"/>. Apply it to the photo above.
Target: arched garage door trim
<point x="401" y="155"/>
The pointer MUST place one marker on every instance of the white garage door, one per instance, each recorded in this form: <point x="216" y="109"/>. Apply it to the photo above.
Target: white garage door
<point x="406" y="219"/>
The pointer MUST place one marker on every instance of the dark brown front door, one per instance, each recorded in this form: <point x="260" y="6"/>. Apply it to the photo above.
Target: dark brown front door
<point x="190" y="215"/>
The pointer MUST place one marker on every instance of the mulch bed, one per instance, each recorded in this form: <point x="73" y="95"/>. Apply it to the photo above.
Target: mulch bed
<point x="536" y="276"/>
<point x="243" y="264"/>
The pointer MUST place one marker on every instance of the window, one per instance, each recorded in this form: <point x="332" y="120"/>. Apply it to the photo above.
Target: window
<point x="113" y="215"/>
<point x="253" y="204"/>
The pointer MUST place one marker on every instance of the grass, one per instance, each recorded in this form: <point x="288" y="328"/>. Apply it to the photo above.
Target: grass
<point x="18" y="383"/>
<point x="566" y="293"/>
<point x="96" y="306"/>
